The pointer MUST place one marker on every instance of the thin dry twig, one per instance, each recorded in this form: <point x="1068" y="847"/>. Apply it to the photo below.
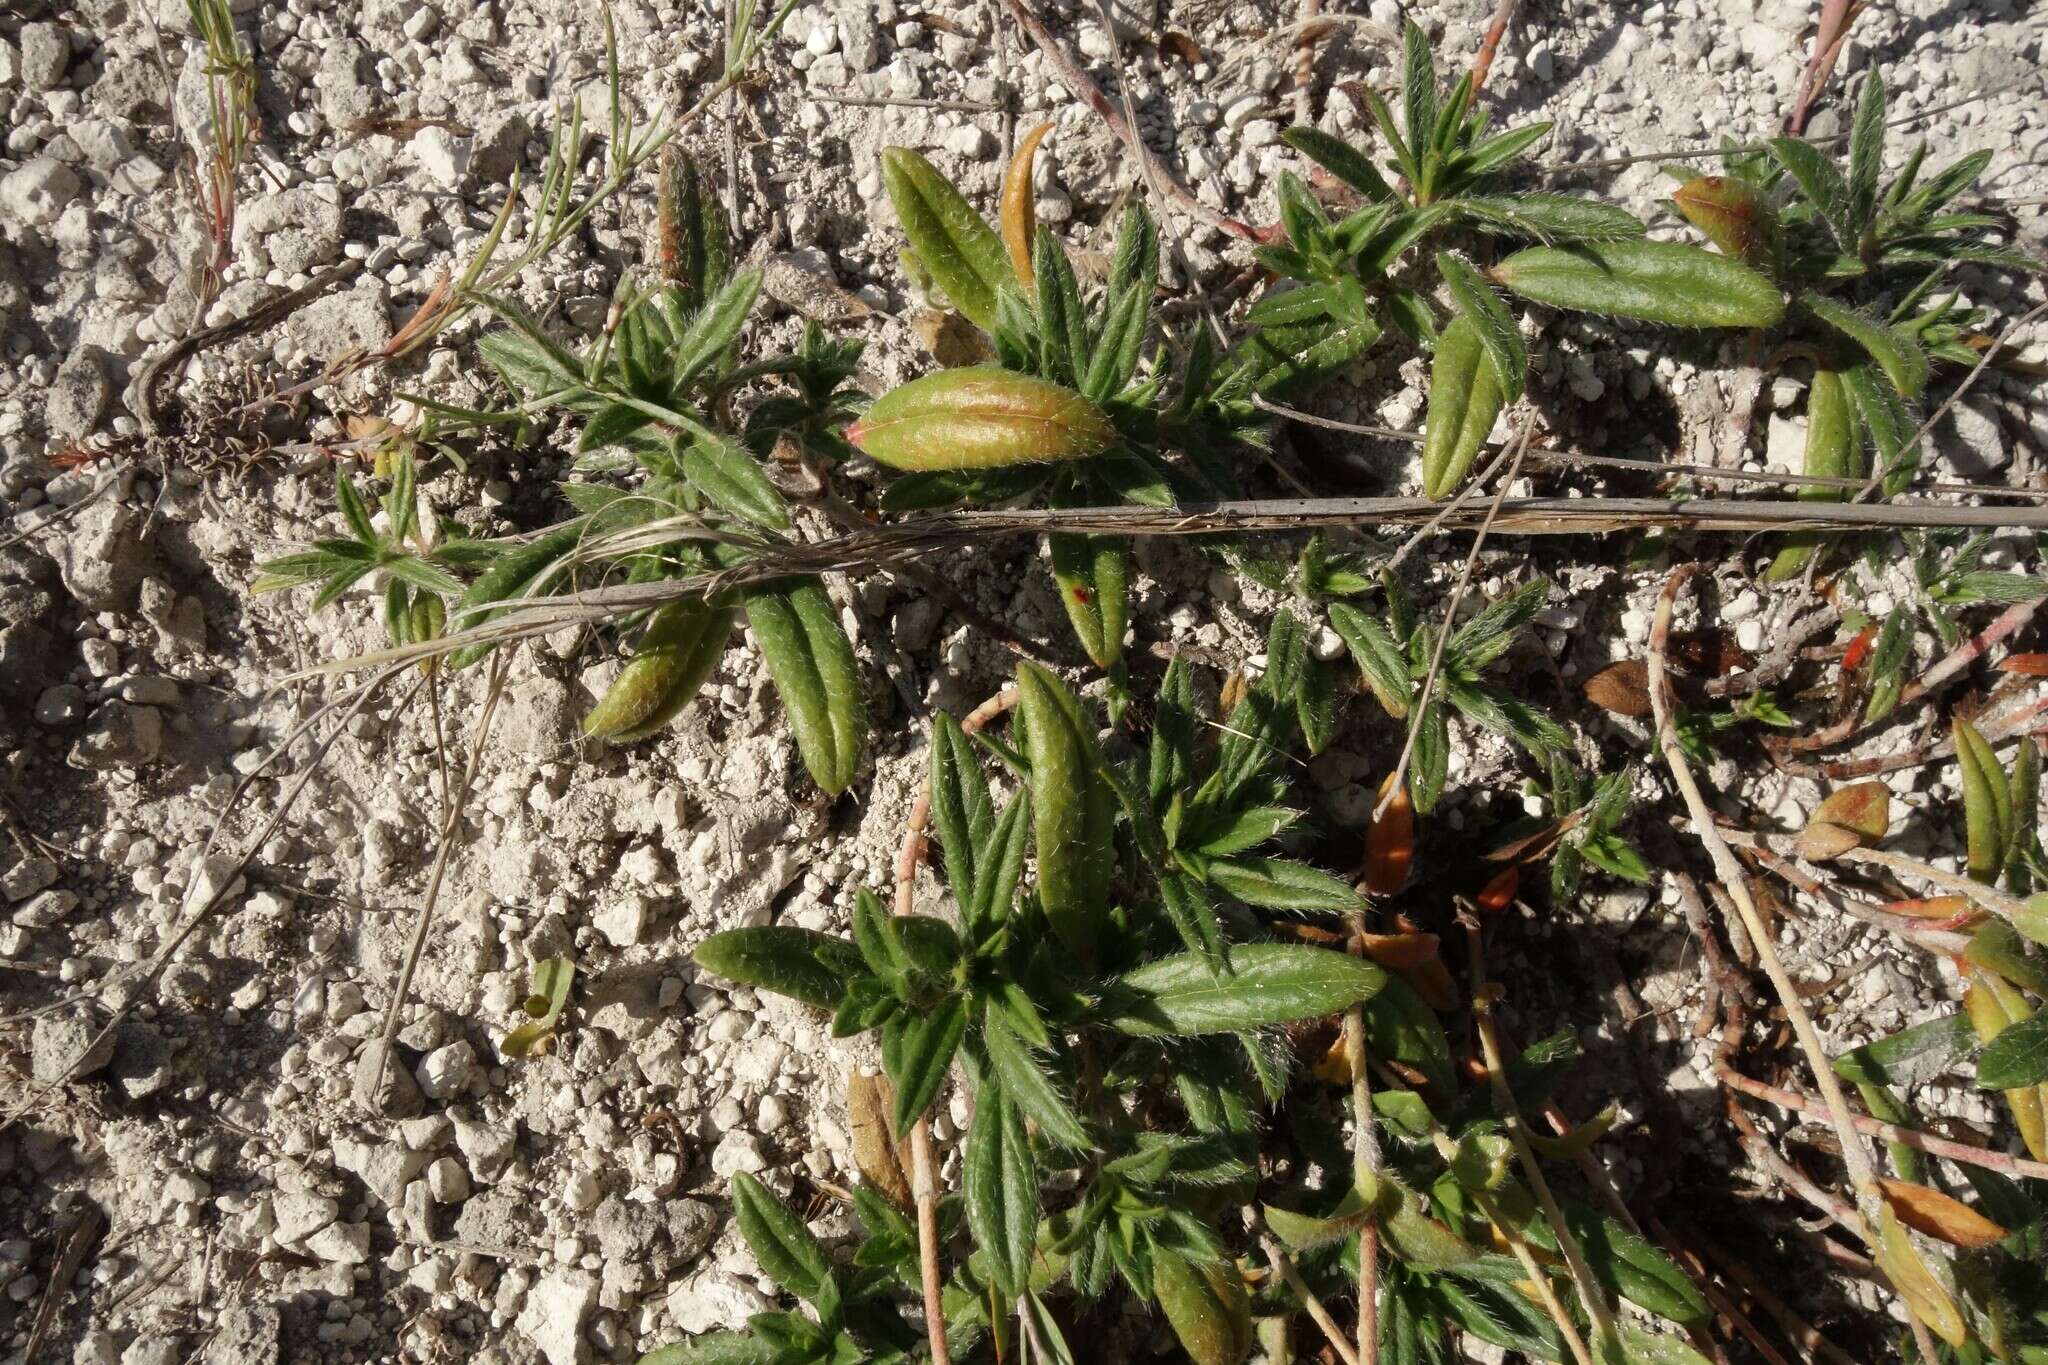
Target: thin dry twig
<point x="1802" y="1333"/>
<point x="1482" y="65"/>
<point x="451" y="825"/>
<point x="1990" y="1159"/>
<point x="1284" y="1268"/>
<point x="1863" y="1175"/>
<point x="1366" y="1162"/>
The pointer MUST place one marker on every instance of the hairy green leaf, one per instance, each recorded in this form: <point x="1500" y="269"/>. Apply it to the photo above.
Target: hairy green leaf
<point x="812" y="662"/>
<point x="954" y="243"/>
<point x="1667" y="282"/>
<point x="1073" y="810"/>
<point x="1001" y="1184"/>
<point x="800" y="963"/>
<point x="1271" y="983"/>
<point x="783" y="1245"/>
<point x="1465" y="398"/>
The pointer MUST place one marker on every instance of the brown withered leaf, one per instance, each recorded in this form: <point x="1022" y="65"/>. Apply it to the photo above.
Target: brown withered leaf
<point x="1174" y="43"/>
<point x="952" y="339"/>
<point x="881" y="1162"/>
<point x="1622" y="687"/>
<point x="1531" y="848"/>
<point x="1931" y="907"/>
<point x="1938" y="1215"/>
<point x="1851" y="817"/>
<point x="1415" y="959"/>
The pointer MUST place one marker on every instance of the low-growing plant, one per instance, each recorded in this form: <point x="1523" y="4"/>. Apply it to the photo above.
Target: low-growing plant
<point x="656" y="396"/>
<point x="1393" y="655"/>
<point x="1837" y="239"/>
<point x="1449" y="174"/>
<point x="1068" y="404"/>
<point x="1115" y="1018"/>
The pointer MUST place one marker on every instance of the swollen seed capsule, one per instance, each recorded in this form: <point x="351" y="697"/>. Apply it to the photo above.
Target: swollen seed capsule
<point x="983" y="417"/>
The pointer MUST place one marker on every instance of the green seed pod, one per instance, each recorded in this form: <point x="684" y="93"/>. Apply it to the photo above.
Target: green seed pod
<point x="1834" y="450"/>
<point x="677" y="653"/>
<point x="1093" y="574"/>
<point x="1464" y="399"/>
<point x="1207" y="1306"/>
<point x="981" y="417"/>
<point x="812" y="663"/>
<point x="1732" y="215"/>
<point x="1073" y="810"/>
<point x="1667" y="282"/>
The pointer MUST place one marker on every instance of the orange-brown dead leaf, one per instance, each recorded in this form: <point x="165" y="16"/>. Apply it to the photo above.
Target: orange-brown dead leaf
<point x="1622" y="688"/>
<point x="2027" y="665"/>
<point x="1390" y="842"/>
<point x="1020" y="203"/>
<point x="1174" y="43"/>
<point x="1940" y="1216"/>
<point x="1416" y="959"/>
<point x="1499" y="892"/>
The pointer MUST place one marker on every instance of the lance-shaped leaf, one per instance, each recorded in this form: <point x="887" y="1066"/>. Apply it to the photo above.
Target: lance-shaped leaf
<point x="1866" y="154"/>
<point x="1998" y="1010"/>
<point x="1379" y="659"/>
<point x="1092" y="574"/>
<point x="1552" y="219"/>
<point x="1073" y="810"/>
<point x="1940" y="1216"/>
<point x="723" y="470"/>
<point x="1340" y="159"/>
<point x="955" y="245"/>
<point x="682" y="644"/>
<point x="552" y="978"/>
<point x="917" y="1052"/>
<point x="1667" y="282"/>
<point x="981" y="417"/>
<point x="962" y="810"/>
<point x="1062" y="325"/>
<point x="1206" y="1305"/>
<point x="1464" y="399"/>
<point x="716" y="1348"/>
<point x="1291" y="360"/>
<point x="1019" y="208"/>
<point x="1823" y="184"/>
<point x="1834" y="449"/>
<point x="1888" y="422"/>
<point x="512" y="575"/>
<point x="711" y="332"/>
<point x="782" y="1244"/>
<point x="1001" y="1184"/>
<point x="1895" y="351"/>
<point x="800" y="963"/>
<point x="1271" y="983"/>
<point x="1733" y="215"/>
<point x="1987" y="803"/>
<point x="1495" y="326"/>
<point x="1911" y="1055"/>
<point x="1633" y="1267"/>
<point x="1282" y="884"/>
<point x="1027" y="1085"/>
<point x="1924" y="1293"/>
<point x="812" y="662"/>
